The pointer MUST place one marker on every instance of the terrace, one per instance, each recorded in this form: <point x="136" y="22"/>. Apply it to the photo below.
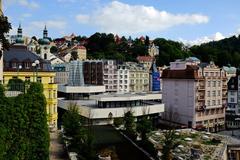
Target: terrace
<point x="196" y="145"/>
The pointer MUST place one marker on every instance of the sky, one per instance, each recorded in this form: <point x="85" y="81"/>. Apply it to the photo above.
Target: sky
<point x="189" y="21"/>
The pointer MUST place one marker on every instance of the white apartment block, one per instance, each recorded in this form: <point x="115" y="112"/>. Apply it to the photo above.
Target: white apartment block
<point x="123" y="79"/>
<point x="110" y="75"/>
<point x="195" y="94"/>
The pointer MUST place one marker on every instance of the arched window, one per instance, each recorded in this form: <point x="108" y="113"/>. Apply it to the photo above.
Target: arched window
<point x="45" y="56"/>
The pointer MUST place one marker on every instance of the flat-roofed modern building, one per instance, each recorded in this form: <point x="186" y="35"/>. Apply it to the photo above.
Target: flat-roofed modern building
<point x="103" y="108"/>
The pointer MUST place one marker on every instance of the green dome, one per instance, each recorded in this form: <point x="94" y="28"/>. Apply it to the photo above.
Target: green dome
<point x="44" y="41"/>
<point x="19" y="40"/>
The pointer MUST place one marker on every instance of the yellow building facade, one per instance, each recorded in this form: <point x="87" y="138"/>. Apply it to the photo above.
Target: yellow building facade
<point x="50" y="90"/>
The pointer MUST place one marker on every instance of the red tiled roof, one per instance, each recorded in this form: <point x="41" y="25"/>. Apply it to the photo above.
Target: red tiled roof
<point x="145" y="58"/>
<point x="79" y="47"/>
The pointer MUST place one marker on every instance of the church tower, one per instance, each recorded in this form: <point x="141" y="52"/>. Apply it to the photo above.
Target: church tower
<point x="45" y="45"/>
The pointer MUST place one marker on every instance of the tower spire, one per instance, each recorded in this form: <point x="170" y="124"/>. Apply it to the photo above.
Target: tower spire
<point x="19" y="32"/>
<point x="45" y="32"/>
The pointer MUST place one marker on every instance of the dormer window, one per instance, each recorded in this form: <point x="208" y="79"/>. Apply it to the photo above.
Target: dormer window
<point x="27" y="65"/>
<point x="14" y="65"/>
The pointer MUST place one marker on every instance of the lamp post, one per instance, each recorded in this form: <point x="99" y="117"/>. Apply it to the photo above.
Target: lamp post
<point x="37" y="64"/>
<point x="35" y="69"/>
<point x="33" y="65"/>
<point x="19" y="67"/>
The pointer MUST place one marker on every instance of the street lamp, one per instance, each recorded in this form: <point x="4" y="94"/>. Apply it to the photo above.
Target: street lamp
<point x="19" y="67"/>
<point x="37" y="65"/>
<point x="33" y="65"/>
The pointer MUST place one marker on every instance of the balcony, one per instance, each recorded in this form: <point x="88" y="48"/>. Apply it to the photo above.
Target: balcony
<point x="201" y="87"/>
<point x="201" y="98"/>
<point x="201" y="108"/>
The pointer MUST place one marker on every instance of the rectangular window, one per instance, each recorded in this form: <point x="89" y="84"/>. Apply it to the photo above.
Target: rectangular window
<point x="219" y="93"/>
<point x="214" y="102"/>
<point x="209" y="83"/>
<point x="208" y="93"/>
<point x="49" y="94"/>
<point x="232" y="100"/>
<point x="219" y="83"/>
<point x="27" y="79"/>
<point x="214" y="83"/>
<point x="39" y="79"/>
<point x="208" y="103"/>
<point x="54" y="94"/>
<point x="214" y="93"/>
<point x="232" y="93"/>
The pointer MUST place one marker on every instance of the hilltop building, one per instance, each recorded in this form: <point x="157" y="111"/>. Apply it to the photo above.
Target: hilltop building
<point x="153" y="50"/>
<point x="146" y="61"/>
<point x="195" y="94"/>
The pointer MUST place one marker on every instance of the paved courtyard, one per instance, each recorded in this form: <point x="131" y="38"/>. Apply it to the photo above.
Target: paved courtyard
<point x="57" y="151"/>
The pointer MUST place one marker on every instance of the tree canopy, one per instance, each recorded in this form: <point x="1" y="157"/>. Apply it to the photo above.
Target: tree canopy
<point x="4" y="28"/>
<point x="23" y="126"/>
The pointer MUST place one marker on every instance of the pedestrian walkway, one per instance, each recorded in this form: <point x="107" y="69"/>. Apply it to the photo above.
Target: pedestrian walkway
<point x="57" y="151"/>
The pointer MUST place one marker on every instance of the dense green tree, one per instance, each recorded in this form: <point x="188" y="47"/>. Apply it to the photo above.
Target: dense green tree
<point x="74" y="55"/>
<point x="144" y="126"/>
<point x="37" y="127"/>
<point x="80" y="137"/>
<point x="169" y="51"/>
<point x="53" y="49"/>
<point x="4" y="28"/>
<point x="223" y="52"/>
<point x="129" y="124"/>
<point x="23" y="125"/>
<point x="169" y="143"/>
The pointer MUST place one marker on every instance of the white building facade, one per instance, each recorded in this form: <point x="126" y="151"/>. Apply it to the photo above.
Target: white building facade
<point x="110" y="75"/>
<point x="123" y="84"/>
<point x="195" y="95"/>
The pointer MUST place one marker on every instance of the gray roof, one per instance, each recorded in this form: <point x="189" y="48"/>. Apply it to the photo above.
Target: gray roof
<point x="20" y="54"/>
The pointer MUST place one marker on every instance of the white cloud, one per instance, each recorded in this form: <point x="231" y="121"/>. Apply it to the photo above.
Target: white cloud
<point x="81" y="18"/>
<point x="215" y="37"/>
<point x="25" y="3"/>
<point x="118" y="17"/>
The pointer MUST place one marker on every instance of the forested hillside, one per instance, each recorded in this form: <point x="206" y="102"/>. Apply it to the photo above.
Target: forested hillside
<point x="108" y="46"/>
<point x="223" y="52"/>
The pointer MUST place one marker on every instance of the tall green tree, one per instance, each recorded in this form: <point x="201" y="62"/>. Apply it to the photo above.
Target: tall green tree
<point x="144" y="126"/>
<point x="4" y="28"/>
<point x="37" y="127"/>
<point x="129" y="124"/>
<point x="169" y="143"/>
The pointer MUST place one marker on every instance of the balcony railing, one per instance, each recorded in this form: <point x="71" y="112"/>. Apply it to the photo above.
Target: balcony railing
<point x="201" y="98"/>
